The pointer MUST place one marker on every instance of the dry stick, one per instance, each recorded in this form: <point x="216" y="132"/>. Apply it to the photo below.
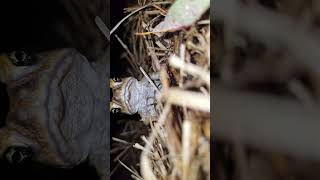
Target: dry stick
<point x="129" y="169"/>
<point x="186" y="150"/>
<point x="162" y="47"/>
<point x="140" y="147"/>
<point x="164" y="79"/>
<point x="143" y="33"/>
<point x="148" y="78"/>
<point x="204" y="91"/>
<point x="160" y="54"/>
<point x="187" y="99"/>
<point x="302" y="93"/>
<point x="147" y="142"/>
<point x="154" y="12"/>
<point x="153" y="55"/>
<point x="182" y="55"/>
<point x="116" y="149"/>
<point x="208" y="51"/>
<point x="131" y="56"/>
<point x="137" y="10"/>
<point x="115" y="169"/>
<point x="120" y="140"/>
<point x="159" y="49"/>
<point x="103" y="28"/>
<point x="123" y="152"/>
<point x="135" y="177"/>
<point x="204" y="22"/>
<point x="194" y="70"/>
<point x="135" y="171"/>
<point x="125" y="47"/>
<point x="163" y="12"/>
<point x="146" y="167"/>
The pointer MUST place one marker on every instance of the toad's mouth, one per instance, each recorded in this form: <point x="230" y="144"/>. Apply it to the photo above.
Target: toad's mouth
<point x="70" y="104"/>
<point x="130" y="97"/>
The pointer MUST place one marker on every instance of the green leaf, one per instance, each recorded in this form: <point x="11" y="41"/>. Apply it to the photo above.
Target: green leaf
<point x="183" y="13"/>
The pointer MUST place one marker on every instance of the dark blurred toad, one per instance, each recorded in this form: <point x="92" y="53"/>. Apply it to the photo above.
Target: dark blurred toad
<point x="57" y="112"/>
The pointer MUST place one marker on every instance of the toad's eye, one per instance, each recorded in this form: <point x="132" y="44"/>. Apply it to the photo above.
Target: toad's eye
<point x="17" y="155"/>
<point x="22" y="58"/>
<point x="115" y="107"/>
<point x="115" y="110"/>
<point x="117" y="80"/>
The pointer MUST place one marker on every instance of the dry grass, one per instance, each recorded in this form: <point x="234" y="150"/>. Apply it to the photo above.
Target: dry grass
<point x="267" y="89"/>
<point x="178" y="144"/>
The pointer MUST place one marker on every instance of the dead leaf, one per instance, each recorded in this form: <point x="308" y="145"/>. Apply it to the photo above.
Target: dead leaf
<point x="182" y="13"/>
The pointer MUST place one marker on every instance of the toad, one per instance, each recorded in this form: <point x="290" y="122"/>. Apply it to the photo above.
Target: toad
<point x="57" y="111"/>
<point x="131" y="96"/>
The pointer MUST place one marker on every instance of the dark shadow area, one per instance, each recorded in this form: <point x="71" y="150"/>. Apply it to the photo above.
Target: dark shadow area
<point x="35" y="171"/>
<point x="118" y="65"/>
<point x="32" y="25"/>
<point x="4" y="105"/>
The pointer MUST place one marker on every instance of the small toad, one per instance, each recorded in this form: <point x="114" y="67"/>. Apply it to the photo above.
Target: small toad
<point x="131" y="96"/>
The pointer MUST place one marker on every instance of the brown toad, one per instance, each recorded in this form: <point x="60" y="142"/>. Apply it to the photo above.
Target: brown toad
<point x="131" y="96"/>
<point x="57" y="113"/>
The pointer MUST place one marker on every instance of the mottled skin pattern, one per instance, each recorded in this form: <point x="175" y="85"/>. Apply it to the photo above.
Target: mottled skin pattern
<point x="131" y="96"/>
<point x="57" y="110"/>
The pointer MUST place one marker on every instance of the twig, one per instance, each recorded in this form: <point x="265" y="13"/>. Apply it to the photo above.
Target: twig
<point x="103" y="28"/>
<point x="137" y="175"/>
<point x="176" y="62"/>
<point x="123" y="152"/>
<point x="163" y="12"/>
<point x="302" y="93"/>
<point x="146" y="167"/>
<point x="120" y="140"/>
<point x="153" y="56"/>
<point x="137" y="10"/>
<point x="148" y="78"/>
<point x="189" y="99"/>
<point x="186" y="149"/>
<point x="204" y="22"/>
<point x="131" y="56"/>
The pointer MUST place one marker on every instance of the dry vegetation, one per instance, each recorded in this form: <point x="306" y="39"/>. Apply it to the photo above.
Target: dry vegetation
<point x="267" y="90"/>
<point x="177" y="144"/>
